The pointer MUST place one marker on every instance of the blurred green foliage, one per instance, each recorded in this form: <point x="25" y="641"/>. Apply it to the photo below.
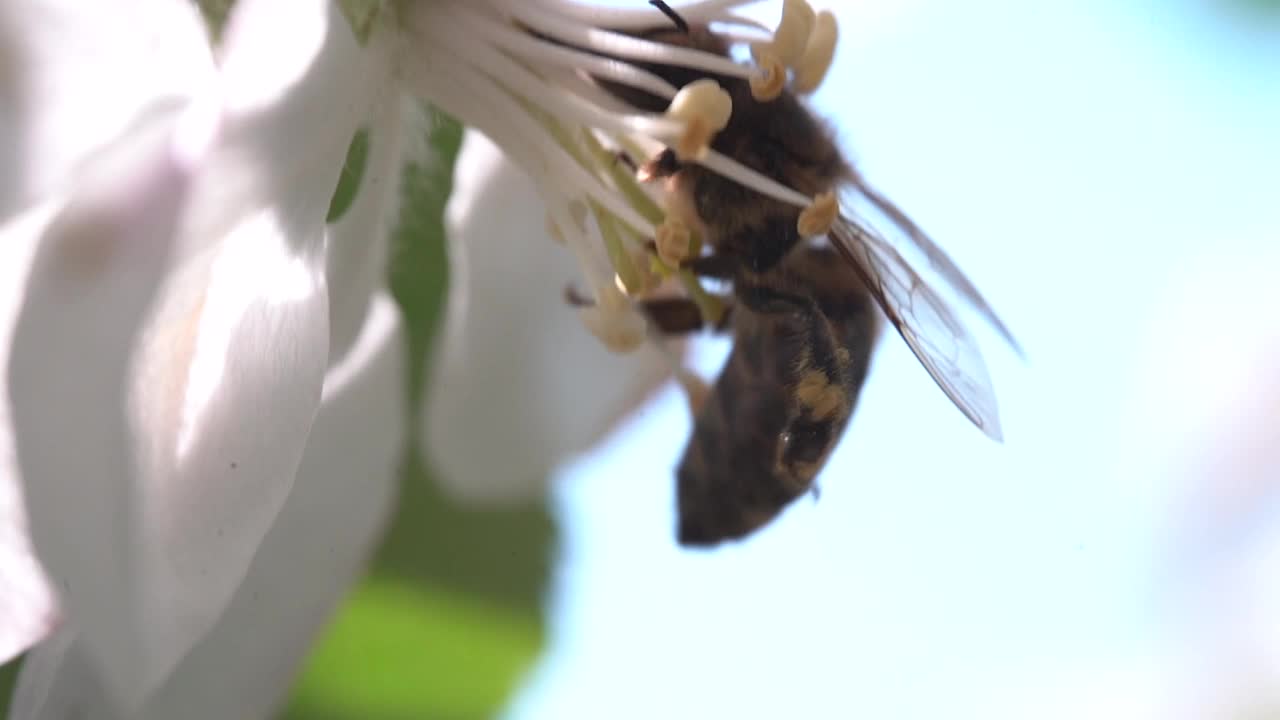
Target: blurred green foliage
<point x="8" y="676"/>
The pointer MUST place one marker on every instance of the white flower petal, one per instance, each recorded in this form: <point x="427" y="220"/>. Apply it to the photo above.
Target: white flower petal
<point x="58" y="683"/>
<point x="358" y="241"/>
<point x="28" y="606"/>
<point x="228" y="377"/>
<point x="322" y="85"/>
<point x="93" y="278"/>
<point x="74" y="75"/>
<point x="318" y="545"/>
<point x="517" y="384"/>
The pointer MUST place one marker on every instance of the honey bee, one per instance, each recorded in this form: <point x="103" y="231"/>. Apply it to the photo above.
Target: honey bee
<point x="803" y="318"/>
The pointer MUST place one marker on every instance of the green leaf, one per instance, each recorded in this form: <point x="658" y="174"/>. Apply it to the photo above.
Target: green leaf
<point x="215" y="13"/>
<point x="446" y="624"/>
<point x="407" y="650"/>
<point x="419" y="263"/>
<point x="361" y="14"/>
<point x="8" y="676"/>
<point x="352" y="173"/>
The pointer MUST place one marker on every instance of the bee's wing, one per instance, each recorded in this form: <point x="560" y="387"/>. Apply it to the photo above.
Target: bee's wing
<point x="932" y="331"/>
<point x="937" y="259"/>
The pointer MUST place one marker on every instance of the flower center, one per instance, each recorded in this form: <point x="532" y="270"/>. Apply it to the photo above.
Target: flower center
<point x="529" y="76"/>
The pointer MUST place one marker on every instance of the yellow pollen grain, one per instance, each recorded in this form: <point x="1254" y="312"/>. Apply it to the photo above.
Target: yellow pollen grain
<point x="672" y="239"/>
<point x="819" y="395"/>
<point x="772" y="79"/>
<point x="818" y="54"/>
<point x="818" y="218"/>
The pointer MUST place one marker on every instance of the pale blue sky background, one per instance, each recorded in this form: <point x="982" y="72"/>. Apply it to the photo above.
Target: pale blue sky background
<point x="1072" y="156"/>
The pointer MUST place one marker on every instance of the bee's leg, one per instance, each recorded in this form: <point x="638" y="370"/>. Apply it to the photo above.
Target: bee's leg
<point x="672" y="316"/>
<point x="718" y="266"/>
<point x="768" y="301"/>
<point x="681" y="316"/>
<point x="762" y="246"/>
<point x="664" y="164"/>
<point x="624" y="157"/>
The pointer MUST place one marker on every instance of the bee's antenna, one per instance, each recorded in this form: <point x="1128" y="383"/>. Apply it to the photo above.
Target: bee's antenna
<point x="675" y="16"/>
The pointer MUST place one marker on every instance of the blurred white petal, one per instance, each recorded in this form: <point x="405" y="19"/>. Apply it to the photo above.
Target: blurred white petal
<point x="517" y="384"/>
<point x="224" y="385"/>
<point x="95" y="273"/>
<point x="28" y="606"/>
<point x="57" y="682"/>
<point x="315" y="550"/>
<point x="318" y="545"/>
<point x="358" y="241"/>
<point x="75" y="74"/>
<point x="290" y="152"/>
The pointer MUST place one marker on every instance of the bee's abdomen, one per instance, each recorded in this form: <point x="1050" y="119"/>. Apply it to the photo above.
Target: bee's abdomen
<point x="726" y="482"/>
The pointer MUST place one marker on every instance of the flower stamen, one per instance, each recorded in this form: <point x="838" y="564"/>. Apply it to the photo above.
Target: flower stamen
<point x="673" y="241"/>
<point x="818" y="54"/>
<point x="705" y="108"/>
<point x="772" y="79"/>
<point x="818" y="218"/>
<point x="791" y="37"/>
<point x="615" y="322"/>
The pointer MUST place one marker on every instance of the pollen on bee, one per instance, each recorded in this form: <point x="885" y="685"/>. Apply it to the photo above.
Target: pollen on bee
<point x="705" y="108"/>
<point x="673" y="241"/>
<point x="817" y="393"/>
<point x="772" y="79"/>
<point x="818" y="53"/>
<point x="818" y="218"/>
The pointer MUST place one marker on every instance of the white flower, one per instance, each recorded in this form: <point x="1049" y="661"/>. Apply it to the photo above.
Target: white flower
<point x="185" y="334"/>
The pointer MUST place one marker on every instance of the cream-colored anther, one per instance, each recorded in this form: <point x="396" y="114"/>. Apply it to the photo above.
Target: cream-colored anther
<point x="705" y="108"/>
<point x="791" y="37"/>
<point x="615" y="323"/>
<point x="773" y="78"/>
<point x="818" y="218"/>
<point x="818" y="54"/>
<point x="672" y="238"/>
<point x="696" y="390"/>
